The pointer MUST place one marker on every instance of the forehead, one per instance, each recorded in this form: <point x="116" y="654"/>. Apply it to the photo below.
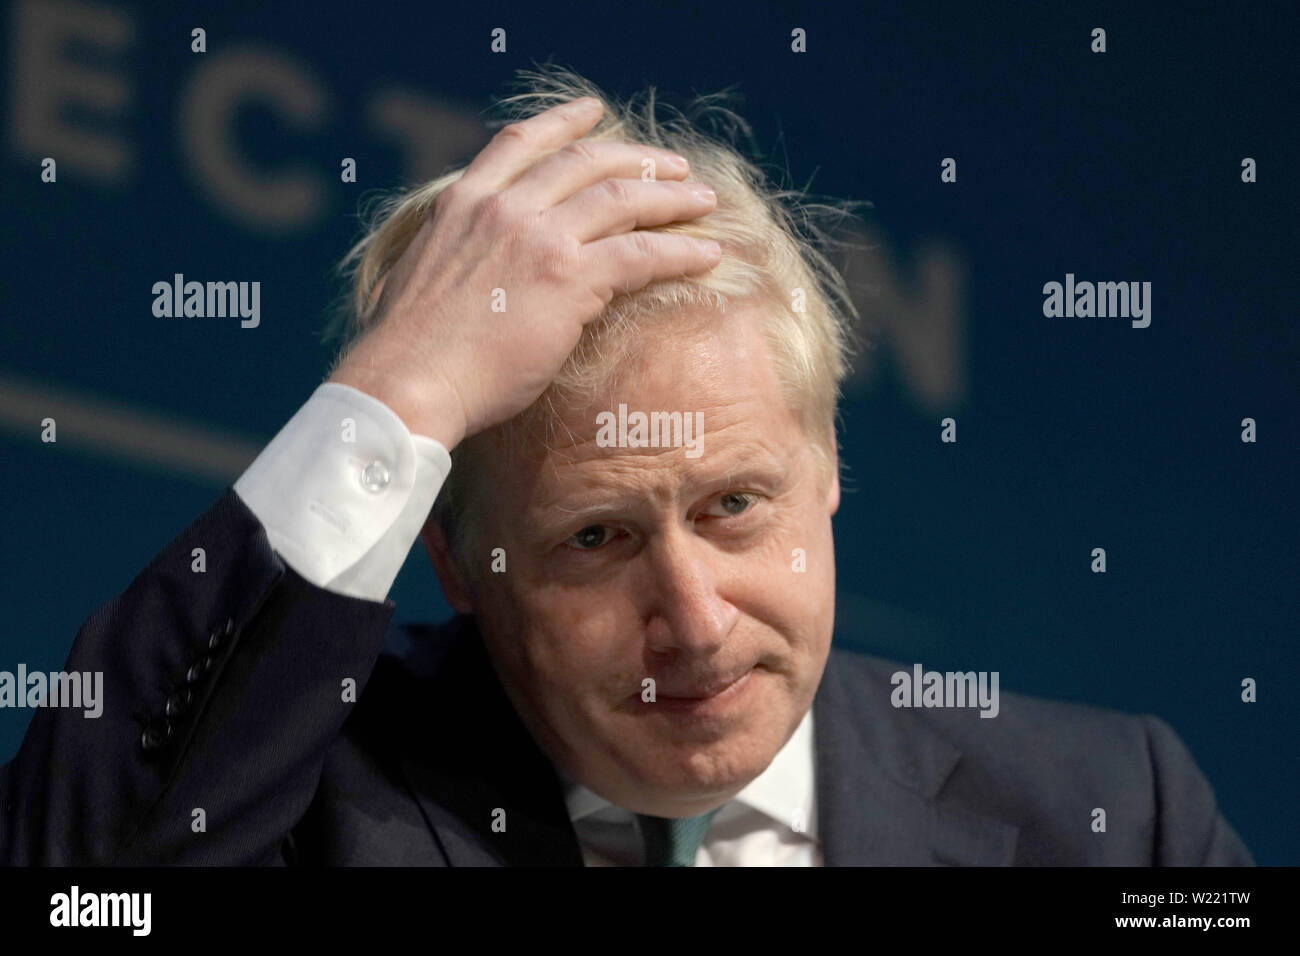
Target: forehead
<point x="694" y="360"/>
<point x="716" y="377"/>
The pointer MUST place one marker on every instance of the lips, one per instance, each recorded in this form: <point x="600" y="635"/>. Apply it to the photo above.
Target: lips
<point x="701" y="690"/>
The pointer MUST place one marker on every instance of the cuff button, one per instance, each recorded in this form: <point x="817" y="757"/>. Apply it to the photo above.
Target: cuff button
<point x="375" y="476"/>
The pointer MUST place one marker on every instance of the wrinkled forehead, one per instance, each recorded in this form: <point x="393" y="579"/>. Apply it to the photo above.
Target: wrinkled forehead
<point x="712" y="440"/>
<point x="667" y="379"/>
<point x="695" y="391"/>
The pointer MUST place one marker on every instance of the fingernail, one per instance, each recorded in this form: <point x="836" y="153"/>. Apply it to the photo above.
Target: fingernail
<point x="703" y="192"/>
<point x="678" y="160"/>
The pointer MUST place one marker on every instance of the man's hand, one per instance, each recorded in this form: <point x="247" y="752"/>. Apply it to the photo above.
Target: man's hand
<point x="558" y="234"/>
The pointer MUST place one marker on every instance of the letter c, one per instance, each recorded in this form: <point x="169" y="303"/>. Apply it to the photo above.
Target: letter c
<point x="282" y="202"/>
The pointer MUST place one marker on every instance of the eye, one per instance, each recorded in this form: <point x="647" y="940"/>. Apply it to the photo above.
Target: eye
<point x="589" y="538"/>
<point x="732" y="504"/>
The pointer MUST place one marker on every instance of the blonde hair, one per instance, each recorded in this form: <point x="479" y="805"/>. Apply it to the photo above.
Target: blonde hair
<point x="772" y="246"/>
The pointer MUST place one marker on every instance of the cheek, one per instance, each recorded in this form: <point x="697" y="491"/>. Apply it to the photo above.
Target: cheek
<point x="797" y="587"/>
<point x="794" y="601"/>
<point x="574" y="642"/>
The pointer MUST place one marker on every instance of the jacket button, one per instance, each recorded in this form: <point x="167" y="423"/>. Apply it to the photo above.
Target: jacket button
<point x="208" y="663"/>
<point x="177" y="702"/>
<point x="156" y="734"/>
<point x="219" y="634"/>
<point x="194" y="673"/>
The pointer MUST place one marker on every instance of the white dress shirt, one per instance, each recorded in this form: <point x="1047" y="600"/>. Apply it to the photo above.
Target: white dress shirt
<point x="772" y="822"/>
<point x="343" y="490"/>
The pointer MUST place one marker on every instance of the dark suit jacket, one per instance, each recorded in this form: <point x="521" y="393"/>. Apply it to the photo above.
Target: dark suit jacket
<point x="223" y="692"/>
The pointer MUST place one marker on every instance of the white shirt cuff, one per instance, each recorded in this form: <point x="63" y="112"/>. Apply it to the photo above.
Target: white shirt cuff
<point x="343" y="490"/>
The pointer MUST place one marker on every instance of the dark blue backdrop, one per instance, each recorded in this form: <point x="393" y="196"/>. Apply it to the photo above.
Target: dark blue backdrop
<point x="1073" y="433"/>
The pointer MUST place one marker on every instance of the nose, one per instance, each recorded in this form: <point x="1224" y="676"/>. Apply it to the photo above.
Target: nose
<point x="686" y="611"/>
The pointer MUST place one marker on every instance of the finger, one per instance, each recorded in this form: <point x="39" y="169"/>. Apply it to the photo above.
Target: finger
<point x="615" y="206"/>
<point x="516" y="147"/>
<point x="584" y="163"/>
<point x="635" y="259"/>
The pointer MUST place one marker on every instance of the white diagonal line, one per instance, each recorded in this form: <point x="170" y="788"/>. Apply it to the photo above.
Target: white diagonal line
<point x="122" y="432"/>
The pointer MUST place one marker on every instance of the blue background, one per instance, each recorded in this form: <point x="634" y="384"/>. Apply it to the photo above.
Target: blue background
<point x="1073" y="433"/>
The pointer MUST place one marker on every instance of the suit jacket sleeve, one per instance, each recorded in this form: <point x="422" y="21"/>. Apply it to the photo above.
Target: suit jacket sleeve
<point x="222" y="690"/>
<point x="1190" y="829"/>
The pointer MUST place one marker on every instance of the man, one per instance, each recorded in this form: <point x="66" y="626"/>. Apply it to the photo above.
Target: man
<point x="637" y="376"/>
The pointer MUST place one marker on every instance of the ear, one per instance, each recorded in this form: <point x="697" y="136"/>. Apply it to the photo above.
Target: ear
<point x="454" y="586"/>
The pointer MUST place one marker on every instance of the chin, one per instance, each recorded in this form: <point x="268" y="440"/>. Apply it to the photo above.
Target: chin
<point x="723" y="766"/>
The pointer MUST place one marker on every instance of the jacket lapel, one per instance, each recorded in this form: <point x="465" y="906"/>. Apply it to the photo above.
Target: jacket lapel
<point x="484" y="769"/>
<point x="879" y="772"/>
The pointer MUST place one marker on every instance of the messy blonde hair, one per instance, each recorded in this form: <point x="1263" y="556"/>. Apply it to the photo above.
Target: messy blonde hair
<point x="772" y="245"/>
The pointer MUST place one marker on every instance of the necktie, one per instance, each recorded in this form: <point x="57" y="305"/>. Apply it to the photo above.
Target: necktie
<point x="673" y="842"/>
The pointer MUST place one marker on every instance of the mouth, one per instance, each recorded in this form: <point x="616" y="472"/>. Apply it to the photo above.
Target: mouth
<point x="708" y="696"/>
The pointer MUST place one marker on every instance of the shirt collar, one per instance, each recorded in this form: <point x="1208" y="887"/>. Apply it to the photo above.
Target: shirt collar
<point x="786" y="791"/>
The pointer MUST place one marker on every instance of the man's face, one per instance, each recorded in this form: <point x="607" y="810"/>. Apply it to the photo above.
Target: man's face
<point x="711" y="575"/>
